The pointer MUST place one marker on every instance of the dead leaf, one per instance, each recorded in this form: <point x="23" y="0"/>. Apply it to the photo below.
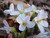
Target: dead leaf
<point x="11" y="35"/>
<point x="18" y="2"/>
<point x="10" y="22"/>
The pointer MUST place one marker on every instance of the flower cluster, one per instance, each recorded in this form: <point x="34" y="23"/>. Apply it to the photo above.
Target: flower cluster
<point x="23" y="17"/>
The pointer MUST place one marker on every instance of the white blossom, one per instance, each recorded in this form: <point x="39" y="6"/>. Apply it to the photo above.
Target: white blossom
<point x="40" y="22"/>
<point x="21" y="8"/>
<point x="11" y="10"/>
<point x="42" y="35"/>
<point x="24" y="22"/>
<point x="6" y="27"/>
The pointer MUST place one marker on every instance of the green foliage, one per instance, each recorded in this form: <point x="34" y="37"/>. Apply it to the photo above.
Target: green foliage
<point x="35" y="28"/>
<point x="1" y="13"/>
<point x="15" y="16"/>
<point x="14" y="31"/>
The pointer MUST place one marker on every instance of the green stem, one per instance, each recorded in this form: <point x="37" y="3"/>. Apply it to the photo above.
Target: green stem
<point x="35" y="26"/>
<point x="23" y="33"/>
<point x="26" y="14"/>
<point x="33" y="13"/>
<point x="15" y="33"/>
<point x="15" y="16"/>
<point x="30" y="31"/>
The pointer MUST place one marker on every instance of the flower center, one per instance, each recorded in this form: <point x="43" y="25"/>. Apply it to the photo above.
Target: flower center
<point x="39" y="21"/>
<point x="21" y="11"/>
<point x="24" y="23"/>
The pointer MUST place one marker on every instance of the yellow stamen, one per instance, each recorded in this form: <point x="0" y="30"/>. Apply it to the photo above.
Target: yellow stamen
<point x="24" y="23"/>
<point x="21" y="11"/>
<point x="39" y="21"/>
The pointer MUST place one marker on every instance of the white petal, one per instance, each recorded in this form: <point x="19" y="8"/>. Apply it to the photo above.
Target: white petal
<point x="7" y="11"/>
<point x="36" y="19"/>
<point x="5" y="22"/>
<point x="42" y="15"/>
<point x="27" y="18"/>
<point x="41" y="28"/>
<point x="11" y="7"/>
<point x="7" y="29"/>
<point x="33" y="6"/>
<point x="8" y="32"/>
<point x="22" y="27"/>
<point x="20" y="18"/>
<point x="44" y="23"/>
<point x="42" y="34"/>
<point x="15" y="13"/>
<point x="2" y="29"/>
<point x="28" y="4"/>
<point x="41" y="11"/>
<point x="20" y="6"/>
<point x="30" y="24"/>
<point x="27" y="10"/>
<point x="37" y="11"/>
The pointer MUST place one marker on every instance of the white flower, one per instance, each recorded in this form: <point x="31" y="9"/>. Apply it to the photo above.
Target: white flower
<point x="21" y="8"/>
<point x="31" y="8"/>
<point x="11" y="10"/>
<point x="42" y="35"/>
<point x="27" y="10"/>
<point x="6" y="27"/>
<point x="35" y="9"/>
<point x="24" y="22"/>
<point x="40" y="22"/>
<point x="15" y="13"/>
<point x="42" y="14"/>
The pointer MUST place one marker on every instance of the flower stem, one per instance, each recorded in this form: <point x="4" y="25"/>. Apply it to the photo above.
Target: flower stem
<point x="23" y="33"/>
<point x="15" y="16"/>
<point x="33" y="12"/>
<point x="26" y="14"/>
<point x="35" y="26"/>
<point x="15" y="33"/>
